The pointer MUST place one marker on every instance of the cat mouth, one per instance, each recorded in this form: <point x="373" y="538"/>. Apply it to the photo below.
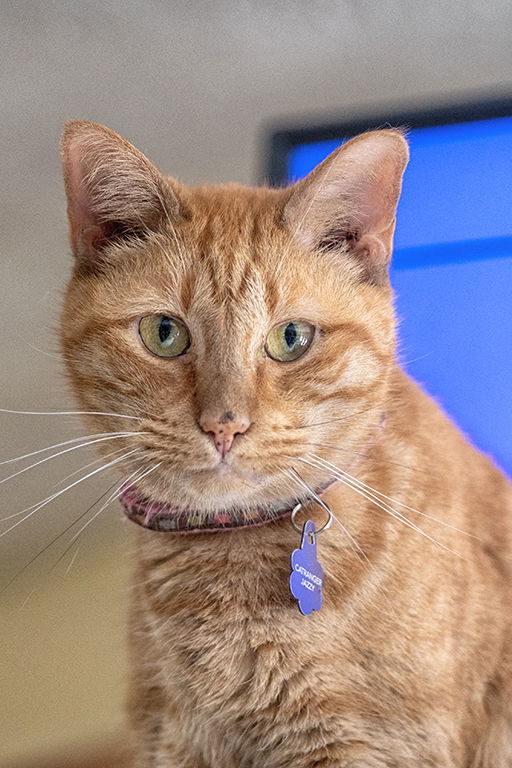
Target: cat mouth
<point x="166" y="518"/>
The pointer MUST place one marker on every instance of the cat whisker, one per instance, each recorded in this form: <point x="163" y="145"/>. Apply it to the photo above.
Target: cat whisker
<point x="404" y="363"/>
<point x="395" y="501"/>
<point x="357" y="548"/>
<point x="44" y="352"/>
<point x="65" y="442"/>
<point x="72" y="561"/>
<point x="90" y="464"/>
<point x="381" y="505"/>
<point x="27" y="598"/>
<point x="362" y="455"/>
<point x="36" y="507"/>
<point x="113" y="497"/>
<point x="69" y="413"/>
<point x="56" y="538"/>
<point x="112" y="436"/>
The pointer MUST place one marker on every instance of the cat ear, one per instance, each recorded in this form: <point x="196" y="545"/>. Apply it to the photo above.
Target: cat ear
<point x="348" y="202"/>
<point x="113" y="190"/>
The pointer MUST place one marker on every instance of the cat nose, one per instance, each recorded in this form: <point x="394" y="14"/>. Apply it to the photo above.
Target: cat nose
<point x="224" y="428"/>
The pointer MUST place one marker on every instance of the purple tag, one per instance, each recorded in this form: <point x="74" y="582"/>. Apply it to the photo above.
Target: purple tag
<point x="307" y="576"/>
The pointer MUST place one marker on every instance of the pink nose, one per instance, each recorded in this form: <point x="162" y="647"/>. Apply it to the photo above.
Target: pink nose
<point x="224" y="429"/>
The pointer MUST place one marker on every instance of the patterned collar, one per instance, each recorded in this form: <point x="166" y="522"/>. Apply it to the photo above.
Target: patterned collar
<point x="158" y="516"/>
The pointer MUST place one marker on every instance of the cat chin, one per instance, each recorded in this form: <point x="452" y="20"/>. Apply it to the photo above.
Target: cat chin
<point x="209" y="490"/>
<point x="230" y="474"/>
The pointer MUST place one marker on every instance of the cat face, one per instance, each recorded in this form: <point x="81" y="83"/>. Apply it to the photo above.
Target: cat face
<point x="242" y="328"/>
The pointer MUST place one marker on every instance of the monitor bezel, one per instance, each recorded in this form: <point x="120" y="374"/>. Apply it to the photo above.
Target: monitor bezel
<point x="280" y="141"/>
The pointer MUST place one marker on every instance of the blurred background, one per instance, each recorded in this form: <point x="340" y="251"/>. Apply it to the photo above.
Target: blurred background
<point x="196" y="86"/>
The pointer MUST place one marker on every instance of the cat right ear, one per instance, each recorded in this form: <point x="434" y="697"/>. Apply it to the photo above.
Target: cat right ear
<point x="113" y="191"/>
<point x="347" y="204"/>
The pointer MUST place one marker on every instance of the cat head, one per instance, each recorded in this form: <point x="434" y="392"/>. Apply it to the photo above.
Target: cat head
<point x="241" y="329"/>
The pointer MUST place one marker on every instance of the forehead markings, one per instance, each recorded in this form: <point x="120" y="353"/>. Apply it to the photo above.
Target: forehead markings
<point x="235" y="242"/>
<point x="242" y="258"/>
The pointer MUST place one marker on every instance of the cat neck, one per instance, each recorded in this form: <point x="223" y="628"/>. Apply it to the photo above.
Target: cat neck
<point x="206" y="570"/>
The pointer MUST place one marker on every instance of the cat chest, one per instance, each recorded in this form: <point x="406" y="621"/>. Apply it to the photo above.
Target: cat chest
<point x="257" y="668"/>
<point x="235" y="688"/>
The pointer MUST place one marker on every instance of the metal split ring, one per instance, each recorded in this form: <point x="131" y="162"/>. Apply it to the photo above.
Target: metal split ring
<point x="324" y="527"/>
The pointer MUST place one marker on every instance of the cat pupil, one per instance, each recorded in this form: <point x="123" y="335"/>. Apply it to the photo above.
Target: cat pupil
<point x="164" y="329"/>
<point x="290" y="335"/>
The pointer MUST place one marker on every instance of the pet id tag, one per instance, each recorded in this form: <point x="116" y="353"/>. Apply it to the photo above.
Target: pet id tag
<point x="307" y="577"/>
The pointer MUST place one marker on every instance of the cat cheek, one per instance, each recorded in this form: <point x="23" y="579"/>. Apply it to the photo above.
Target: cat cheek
<point x="361" y="368"/>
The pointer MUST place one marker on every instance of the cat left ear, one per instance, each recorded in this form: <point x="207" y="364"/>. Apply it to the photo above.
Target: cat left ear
<point x="348" y="202"/>
<point x="113" y="190"/>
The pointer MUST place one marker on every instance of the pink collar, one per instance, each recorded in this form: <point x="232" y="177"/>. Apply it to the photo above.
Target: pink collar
<point x="158" y="516"/>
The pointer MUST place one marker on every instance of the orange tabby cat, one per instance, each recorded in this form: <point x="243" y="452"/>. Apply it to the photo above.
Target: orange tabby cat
<point x="250" y="334"/>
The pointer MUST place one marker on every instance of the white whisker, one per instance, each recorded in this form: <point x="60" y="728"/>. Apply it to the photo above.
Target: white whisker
<point x="90" y="464"/>
<point x="112" y="436"/>
<point x="357" y="547"/>
<point x="380" y="504"/>
<point x="65" y="442"/>
<point x="35" y="508"/>
<point x="69" y="413"/>
<point x="60" y="358"/>
<point x="56" y="538"/>
<point x="113" y="496"/>
<point x="72" y="561"/>
<point x="395" y="501"/>
<point x="25" y="601"/>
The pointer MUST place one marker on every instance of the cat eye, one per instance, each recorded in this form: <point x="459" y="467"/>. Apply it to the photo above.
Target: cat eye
<point x="289" y="341"/>
<point x="163" y="335"/>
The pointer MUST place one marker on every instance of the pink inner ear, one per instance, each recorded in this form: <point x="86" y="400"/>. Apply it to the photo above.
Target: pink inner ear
<point x="84" y="228"/>
<point x="85" y="233"/>
<point x="90" y="231"/>
<point x="376" y="199"/>
<point x="350" y="199"/>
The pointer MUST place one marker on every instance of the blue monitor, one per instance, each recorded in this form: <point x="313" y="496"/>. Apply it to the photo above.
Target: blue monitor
<point x="452" y="263"/>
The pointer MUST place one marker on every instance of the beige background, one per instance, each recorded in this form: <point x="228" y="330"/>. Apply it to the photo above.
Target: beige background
<point x="193" y="84"/>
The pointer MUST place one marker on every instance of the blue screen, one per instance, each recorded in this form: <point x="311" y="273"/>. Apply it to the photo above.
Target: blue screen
<point x="452" y="271"/>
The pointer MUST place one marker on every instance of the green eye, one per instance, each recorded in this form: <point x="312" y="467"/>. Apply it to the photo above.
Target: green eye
<point x="289" y="341"/>
<point x="164" y="336"/>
